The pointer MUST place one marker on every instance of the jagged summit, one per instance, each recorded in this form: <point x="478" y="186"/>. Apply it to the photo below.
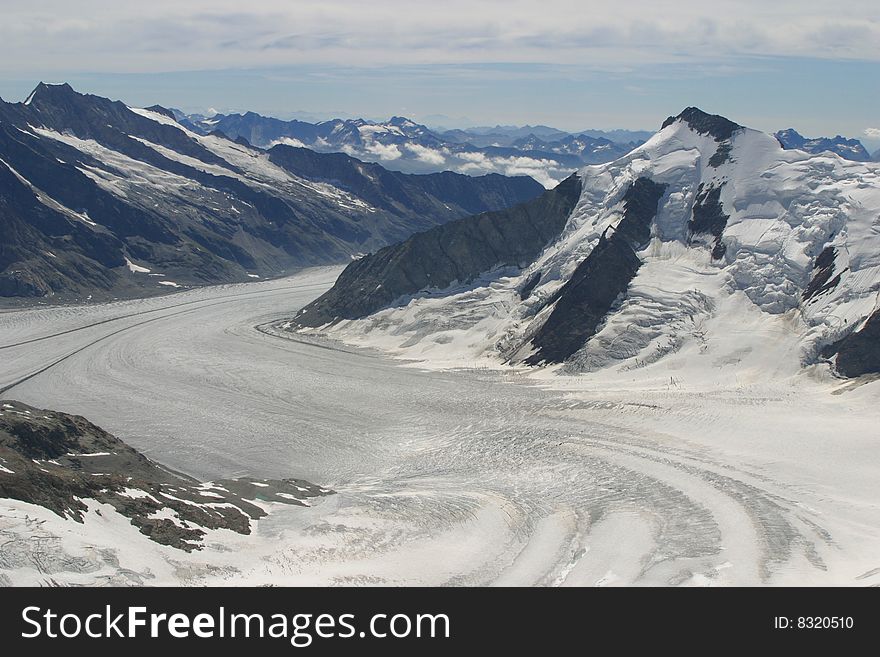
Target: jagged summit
<point x="46" y="92"/>
<point x="57" y="88"/>
<point x="402" y="121"/>
<point x="790" y="138"/>
<point x="704" y="123"/>
<point x="159" y="109"/>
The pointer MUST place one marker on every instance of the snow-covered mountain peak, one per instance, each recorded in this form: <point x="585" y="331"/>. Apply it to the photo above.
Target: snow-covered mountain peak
<point x="403" y="122"/>
<point x="719" y="127"/>
<point x="668" y="251"/>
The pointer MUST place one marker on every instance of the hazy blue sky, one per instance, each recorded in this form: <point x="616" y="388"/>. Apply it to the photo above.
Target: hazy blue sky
<point x="807" y="64"/>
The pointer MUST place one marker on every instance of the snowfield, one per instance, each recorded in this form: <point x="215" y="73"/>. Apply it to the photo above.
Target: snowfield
<point x="723" y="462"/>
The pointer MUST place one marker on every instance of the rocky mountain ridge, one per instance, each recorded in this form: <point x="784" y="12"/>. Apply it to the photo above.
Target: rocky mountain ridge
<point x="100" y="199"/>
<point x="62" y="461"/>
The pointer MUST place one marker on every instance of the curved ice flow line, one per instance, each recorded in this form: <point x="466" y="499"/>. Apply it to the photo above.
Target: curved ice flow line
<point x="509" y="496"/>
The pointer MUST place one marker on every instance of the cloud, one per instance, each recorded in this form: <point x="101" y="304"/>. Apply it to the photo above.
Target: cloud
<point x="548" y="172"/>
<point x="289" y="141"/>
<point x="383" y="152"/>
<point x="476" y="158"/>
<point x="428" y="155"/>
<point x="166" y="35"/>
<point x="872" y="133"/>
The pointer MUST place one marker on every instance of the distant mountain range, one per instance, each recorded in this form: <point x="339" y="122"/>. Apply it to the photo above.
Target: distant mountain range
<point x="850" y="149"/>
<point x="544" y="153"/>
<point x="508" y="135"/>
<point x="98" y="198"/>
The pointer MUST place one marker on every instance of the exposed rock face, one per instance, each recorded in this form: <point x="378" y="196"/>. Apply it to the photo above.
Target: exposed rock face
<point x="720" y="128"/>
<point x="87" y="184"/>
<point x="42" y="251"/>
<point x="603" y="276"/>
<point x="455" y="252"/>
<point x="859" y="352"/>
<point x="824" y="278"/>
<point x="709" y="216"/>
<point x="58" y="461"/>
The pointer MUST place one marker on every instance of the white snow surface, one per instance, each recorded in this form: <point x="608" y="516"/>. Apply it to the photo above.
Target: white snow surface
<point x="649" y="476"/>
<point x="742" y="315"/>
<point x="127" y="177"/>
<point x="136" y="269"/>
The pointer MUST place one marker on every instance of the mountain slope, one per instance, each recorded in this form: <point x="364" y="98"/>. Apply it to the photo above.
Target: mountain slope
<point x="455" y="252"/>
<point x="709" y="250"/>
<point x="99" y="198"/>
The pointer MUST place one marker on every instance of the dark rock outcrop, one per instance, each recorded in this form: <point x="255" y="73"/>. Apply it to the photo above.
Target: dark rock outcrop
<point x="708" y="217"/>
<point x="859" y="352"/>
<point x="59" y="461"/>
<point x="720" y="128"/>
<point x="599" y="280"/>
<point x="824" y="278"/>
<point x="526" y="290"/>
<point x="458" y="251"/>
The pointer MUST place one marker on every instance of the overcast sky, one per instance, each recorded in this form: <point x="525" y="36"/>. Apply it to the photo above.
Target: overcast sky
<point x="572" y="64"/>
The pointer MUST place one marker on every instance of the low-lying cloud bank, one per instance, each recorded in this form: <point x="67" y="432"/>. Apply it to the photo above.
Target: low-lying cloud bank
<point x="419" y="158"/>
